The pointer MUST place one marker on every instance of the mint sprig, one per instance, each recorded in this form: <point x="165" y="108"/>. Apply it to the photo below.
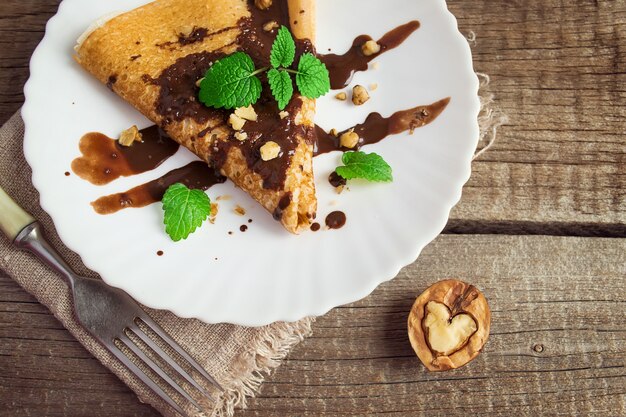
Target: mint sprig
<point x="283" y="49"/>
<point x="281" y="86"/>
<point x="232" y="81"/>
<point x="185" y="210"/>
<point x="312" y="77"/>
<point x="370" y="167"/>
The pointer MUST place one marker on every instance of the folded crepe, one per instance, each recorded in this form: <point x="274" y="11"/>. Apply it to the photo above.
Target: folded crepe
<point x="154" y="56"/>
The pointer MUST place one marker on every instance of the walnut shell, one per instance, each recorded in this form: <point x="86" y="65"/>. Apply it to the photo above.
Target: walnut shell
<point x="460" y="298"/>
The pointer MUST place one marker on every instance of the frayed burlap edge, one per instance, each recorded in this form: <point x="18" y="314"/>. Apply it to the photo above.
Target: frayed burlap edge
<point x="250" y="369"/>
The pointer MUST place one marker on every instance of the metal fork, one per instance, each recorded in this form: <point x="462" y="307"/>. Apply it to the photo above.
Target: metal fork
<point x="108" y="313"/>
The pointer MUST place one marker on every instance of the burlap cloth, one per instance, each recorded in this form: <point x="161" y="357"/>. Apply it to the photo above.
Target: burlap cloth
<point x="237" y="357"/>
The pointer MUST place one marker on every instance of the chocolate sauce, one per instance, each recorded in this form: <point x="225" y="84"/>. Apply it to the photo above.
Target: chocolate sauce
<point x="343" y="67"/>
<point x="336" y="220"/>
<point x="282" y="205"/>
<point x="104" y="159"/>
<point x="178" y="95"/>
<point x="243" y="228"/>
<point x="178" y="98"/>
<point x="336" y="180"/>
<point x="112" y="80"/>
<point x="196" y="175"/>
<point x="196" y="35"/>
<point x="376" y="127"/>
<point x="67" y="174"/>
<point x="160" y="253"/>
<point x="315" y="227"/>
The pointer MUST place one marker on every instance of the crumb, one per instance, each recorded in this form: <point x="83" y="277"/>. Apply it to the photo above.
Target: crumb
<point x="359" y="95"/>
<point x="270" y="26"/>
<point x="375" y="65"/>
<point x="373" y="87"/>
<point x="370" y="48"/>
<point x="341" y="96"/>
<point x="240" y="210"/>
<point x="270" y="150"/>
<point x="225" y="197"/>
<point x="214" y="210"/>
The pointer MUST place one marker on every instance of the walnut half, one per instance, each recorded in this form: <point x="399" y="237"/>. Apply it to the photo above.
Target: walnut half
<point x="449" y="324"/>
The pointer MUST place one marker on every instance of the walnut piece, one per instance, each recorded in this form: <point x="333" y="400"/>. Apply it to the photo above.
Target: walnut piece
<point x="129" y="136"/>
<point x="263" y="4"/>
<point x="247" y="113"/>
<point x="241" y="136"/>
<point x="236" y="122"/>
<point x="359" y="95"/>
<point x="283" y="114"/>
<point x="269" y="150"/>
<point x="341" y="96"/>
<point x="270" y="26"/>
<point x="370" y="48"/>
<point x="449" y="324"/>
<point x="349" y="139"/>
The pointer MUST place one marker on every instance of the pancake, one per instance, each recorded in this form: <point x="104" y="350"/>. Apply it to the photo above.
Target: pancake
<point x="154" y="56"/>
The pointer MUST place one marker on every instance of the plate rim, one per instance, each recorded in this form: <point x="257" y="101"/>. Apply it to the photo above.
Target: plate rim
<point x="329" y="302"/>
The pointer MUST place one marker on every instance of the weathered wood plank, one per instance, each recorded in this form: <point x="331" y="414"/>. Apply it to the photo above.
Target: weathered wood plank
<point x="558" y="70"/>
<point x="557" y="347"/>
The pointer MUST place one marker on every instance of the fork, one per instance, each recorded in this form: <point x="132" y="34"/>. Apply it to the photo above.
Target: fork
<point x="108" y="313"/>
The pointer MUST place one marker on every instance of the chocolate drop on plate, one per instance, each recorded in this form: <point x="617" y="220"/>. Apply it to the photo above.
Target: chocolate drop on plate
<point x="336" y="220"/>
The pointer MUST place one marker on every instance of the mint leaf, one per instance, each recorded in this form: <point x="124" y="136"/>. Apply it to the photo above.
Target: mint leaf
<point x="281" y="86"/>
<point x="371" y="167"/>
<point x="185" y="210"/>
<point x="231" y="82"/>
<point x="312" y="78"/>
<point x="283" y="49"/>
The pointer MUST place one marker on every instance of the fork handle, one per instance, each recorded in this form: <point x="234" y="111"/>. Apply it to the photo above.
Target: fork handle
<point x="13" y="218"/>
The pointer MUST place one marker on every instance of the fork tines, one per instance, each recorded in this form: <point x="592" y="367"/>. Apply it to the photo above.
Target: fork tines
<point x="126" y="344"/>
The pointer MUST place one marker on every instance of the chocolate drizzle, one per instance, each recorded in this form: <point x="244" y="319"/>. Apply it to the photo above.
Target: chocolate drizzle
<point x="336" y="220"/>
<point x="343" y="67"/>
<point x="376" y="127"/>
<point x="105" y="160"/>
<point x="178" y="91"/>
<point x="195" y="175"/>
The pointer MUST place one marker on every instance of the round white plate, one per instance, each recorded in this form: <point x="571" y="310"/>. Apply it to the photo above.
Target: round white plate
<point x="264" y="274"/>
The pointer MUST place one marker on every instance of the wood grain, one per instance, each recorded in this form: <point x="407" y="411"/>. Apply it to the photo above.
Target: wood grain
<point x="557" y="345"/>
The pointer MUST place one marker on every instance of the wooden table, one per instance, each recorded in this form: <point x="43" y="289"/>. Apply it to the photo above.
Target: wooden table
<point x="541" y="229"/>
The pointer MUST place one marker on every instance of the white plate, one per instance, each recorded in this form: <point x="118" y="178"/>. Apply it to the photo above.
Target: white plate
<point x="264" y="274"/>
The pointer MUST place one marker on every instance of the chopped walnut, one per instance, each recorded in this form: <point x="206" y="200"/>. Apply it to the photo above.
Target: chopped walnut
<point x="241" y="136"/>
<point x="341" y="96"/>
<point x="199" y="82"/>
<point x="334" y="132"/>
<point x="247" y="113"/>
<point x="283" y="114"/>
<point x="370" y="48"/>
<point x="129" y="136"/>
<point x="359" y="95"/>
<point x="349" y="139"/>
<point x="270" y="150"/>
<point x="236" y="122"/>
<point x="214" y="209"/>
<point x="263" y="4"/>
<point x="270" y="26"/>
